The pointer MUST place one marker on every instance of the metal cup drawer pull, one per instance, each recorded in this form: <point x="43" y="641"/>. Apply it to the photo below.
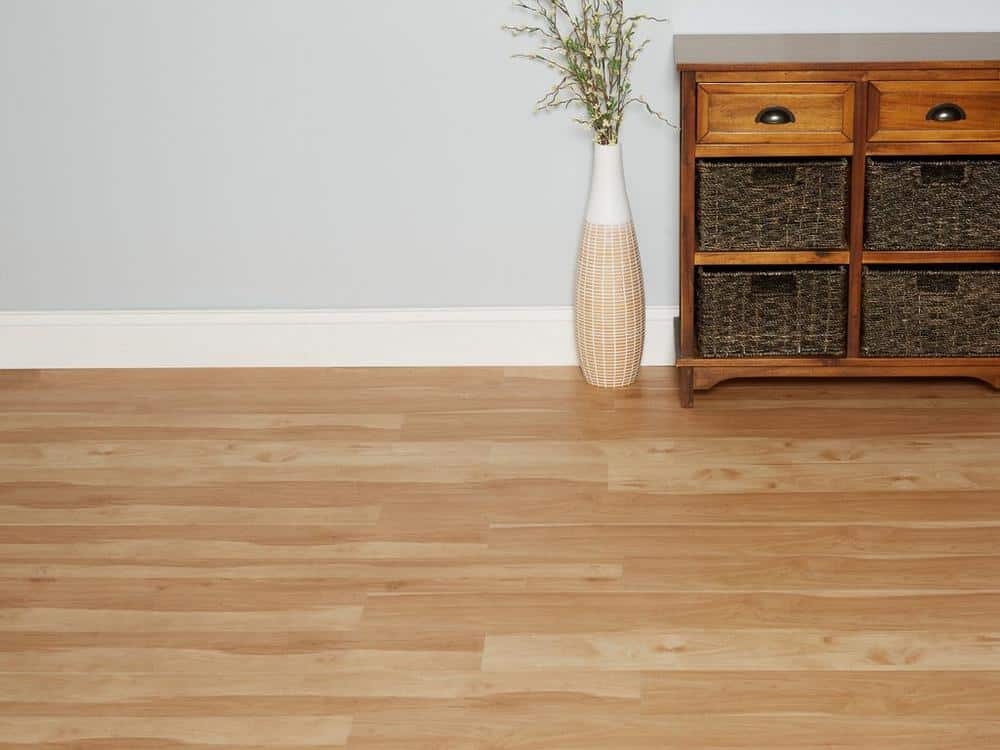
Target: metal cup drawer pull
<point x="776" y="116"/>
<point x="946" y="113"/>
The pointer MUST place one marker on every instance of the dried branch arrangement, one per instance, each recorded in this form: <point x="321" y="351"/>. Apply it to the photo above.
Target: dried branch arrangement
<point x="592" y="46"/>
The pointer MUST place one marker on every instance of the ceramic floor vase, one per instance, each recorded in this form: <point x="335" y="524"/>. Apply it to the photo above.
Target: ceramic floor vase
<point x="610" y="298"/>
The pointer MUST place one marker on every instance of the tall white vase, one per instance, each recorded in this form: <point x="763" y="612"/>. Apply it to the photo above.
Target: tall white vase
<point x="610" y="298"/>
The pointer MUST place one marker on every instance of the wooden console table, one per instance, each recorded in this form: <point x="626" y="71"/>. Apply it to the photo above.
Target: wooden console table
<point x="822" y="96"/>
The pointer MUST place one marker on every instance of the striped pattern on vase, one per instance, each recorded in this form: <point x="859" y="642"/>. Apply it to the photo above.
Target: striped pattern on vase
<point x="610" y="306"/>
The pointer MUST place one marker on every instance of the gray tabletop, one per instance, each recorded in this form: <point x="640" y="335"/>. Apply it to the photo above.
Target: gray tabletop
<point x="697" y="50"/>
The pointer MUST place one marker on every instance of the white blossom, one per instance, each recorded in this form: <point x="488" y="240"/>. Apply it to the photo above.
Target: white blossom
<point x="590" y="44"/>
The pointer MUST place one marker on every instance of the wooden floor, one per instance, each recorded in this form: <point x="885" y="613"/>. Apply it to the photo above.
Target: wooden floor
<point x="496" y="559"/>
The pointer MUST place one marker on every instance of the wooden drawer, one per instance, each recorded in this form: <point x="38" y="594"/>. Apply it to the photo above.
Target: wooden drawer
<point x="908" y="110"/>
<point x="803" y="112"/>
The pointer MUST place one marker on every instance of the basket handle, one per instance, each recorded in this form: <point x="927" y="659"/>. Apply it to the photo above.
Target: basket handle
<point x="938" y="284"/>
<point x="943" y="174"/>
<point x="774" y="174"/>
<point x="776" y="115"/>
<point x="783" y="284"/>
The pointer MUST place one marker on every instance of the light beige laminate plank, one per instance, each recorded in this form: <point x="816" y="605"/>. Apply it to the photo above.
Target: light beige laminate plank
<point x="495" y="558"/>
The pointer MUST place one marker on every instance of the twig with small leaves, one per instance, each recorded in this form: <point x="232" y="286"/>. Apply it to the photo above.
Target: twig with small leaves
<point x="592" y="48"/>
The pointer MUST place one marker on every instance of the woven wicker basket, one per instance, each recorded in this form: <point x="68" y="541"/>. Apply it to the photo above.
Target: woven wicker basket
<point x="754" y="204"/>
<point x="931" y="312"/>
<point x="772" y="312"/>
<point x="933" y="204"/>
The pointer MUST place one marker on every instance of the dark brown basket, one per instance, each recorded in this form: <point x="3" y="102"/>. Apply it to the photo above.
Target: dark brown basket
<point x="933" y="204"/>
<point x="760" y="204"/>
<point x="784" y="312"/>
<point x="931" y="312"/>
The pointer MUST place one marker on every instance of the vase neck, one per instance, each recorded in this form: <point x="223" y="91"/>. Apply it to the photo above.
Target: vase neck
<point x="608" y="195"/>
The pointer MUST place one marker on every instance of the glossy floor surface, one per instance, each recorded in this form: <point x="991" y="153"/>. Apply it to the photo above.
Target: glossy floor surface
<point x="496" y="559"/>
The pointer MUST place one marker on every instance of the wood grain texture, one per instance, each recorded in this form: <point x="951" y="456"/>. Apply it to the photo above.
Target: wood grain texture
<point x="757" y="150"/>
<point x="687" y="223"/>
<point x="905" y="257"/>
<point x="774" y="258"/>
<point x="495" y="558"/>
<point x="782" y="76"/>
<point x="935" y="148"/>
<point x="707" y="377"/>
<point x="823" y="112"/>
<point x="898" y="110"/>
<point x="856" y="222"/>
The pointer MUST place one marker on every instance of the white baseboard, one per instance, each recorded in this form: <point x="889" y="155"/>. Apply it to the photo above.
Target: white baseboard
<point x="449" y="337"/>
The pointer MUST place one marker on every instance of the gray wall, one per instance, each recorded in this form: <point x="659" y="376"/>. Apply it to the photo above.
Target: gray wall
<point x="325" y="153"/>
